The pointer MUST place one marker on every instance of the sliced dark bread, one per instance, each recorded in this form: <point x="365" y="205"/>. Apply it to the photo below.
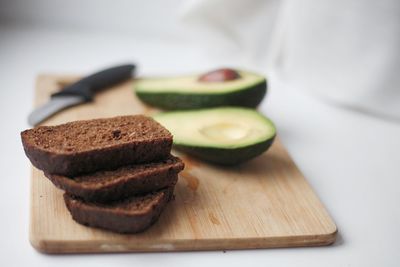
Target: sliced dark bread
<point x="130" y="215"/>
<point x="103" y="186"/>
<point x="101" y="144"/>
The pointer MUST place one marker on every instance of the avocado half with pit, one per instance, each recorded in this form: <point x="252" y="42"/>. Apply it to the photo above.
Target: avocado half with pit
<point x="224" y="87"/>
<point x="225" y="135"/>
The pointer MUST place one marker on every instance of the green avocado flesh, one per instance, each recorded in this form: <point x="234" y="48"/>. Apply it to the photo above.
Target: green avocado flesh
<point x="225" y="135"/>
<point x="187" y="92"/>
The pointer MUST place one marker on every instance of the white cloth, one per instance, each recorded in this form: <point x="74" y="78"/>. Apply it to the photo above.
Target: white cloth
<point x="345" y="51"/>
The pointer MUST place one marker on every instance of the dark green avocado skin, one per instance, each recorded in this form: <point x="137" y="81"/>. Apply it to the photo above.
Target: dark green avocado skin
<point x="247" y="97"/>
<point x="227" y="156"/>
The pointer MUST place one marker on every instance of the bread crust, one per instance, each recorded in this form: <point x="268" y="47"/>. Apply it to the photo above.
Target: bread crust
<point x="112" y="185"/>
<point x="108" y="157"/>
<point x="118" y="219"/>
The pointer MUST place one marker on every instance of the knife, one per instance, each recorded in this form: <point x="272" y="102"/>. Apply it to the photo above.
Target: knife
<point x="81" y="91"/>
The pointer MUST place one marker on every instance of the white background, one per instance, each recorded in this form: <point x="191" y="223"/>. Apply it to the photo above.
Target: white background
<point x="351" y="159"/>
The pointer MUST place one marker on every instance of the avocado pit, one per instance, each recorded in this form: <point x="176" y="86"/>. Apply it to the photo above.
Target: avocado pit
<point x="220" y="75"/>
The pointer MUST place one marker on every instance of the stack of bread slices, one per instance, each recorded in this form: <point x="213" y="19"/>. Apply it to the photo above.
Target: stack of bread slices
<point x="118" y="173"/>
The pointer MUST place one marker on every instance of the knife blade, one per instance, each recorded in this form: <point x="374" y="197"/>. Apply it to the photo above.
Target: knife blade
<point x="81" y="92"/>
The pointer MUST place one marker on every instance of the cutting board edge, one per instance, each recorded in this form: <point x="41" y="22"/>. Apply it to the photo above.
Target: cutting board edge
<point x="49" y="246"/>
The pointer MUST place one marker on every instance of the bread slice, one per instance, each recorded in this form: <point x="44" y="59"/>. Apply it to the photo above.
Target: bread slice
<point x="104" y="186"/>
<point x="131" y="215"/>
<point x="101" y="144"/>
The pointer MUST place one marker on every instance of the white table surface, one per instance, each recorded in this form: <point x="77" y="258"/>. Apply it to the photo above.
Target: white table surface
<point x="352" y="160"/>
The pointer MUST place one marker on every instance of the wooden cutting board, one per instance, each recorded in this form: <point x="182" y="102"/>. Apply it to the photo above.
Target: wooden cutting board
<point x="264" y="203"/>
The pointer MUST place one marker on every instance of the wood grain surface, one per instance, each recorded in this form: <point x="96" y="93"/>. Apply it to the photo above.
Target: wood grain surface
<point x="264" y="203"/>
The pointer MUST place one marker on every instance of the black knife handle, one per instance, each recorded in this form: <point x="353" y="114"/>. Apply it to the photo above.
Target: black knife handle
<point x="90" y="85"/>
